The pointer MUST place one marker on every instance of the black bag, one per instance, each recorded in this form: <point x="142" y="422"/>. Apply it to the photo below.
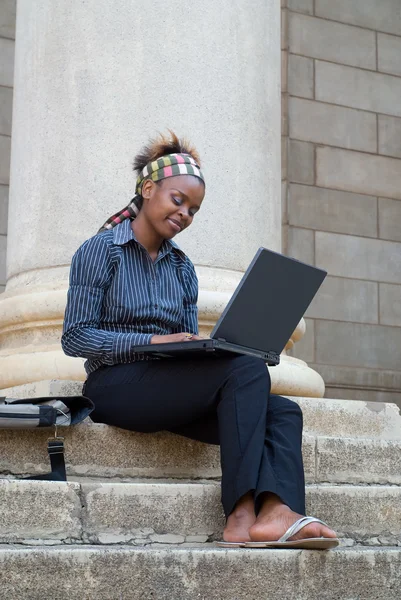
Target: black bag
<point x="54" y="411"/>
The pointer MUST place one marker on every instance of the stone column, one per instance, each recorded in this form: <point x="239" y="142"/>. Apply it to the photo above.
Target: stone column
<point x="93" y="81"/>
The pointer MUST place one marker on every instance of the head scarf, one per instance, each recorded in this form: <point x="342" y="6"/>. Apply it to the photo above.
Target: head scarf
<point x="169" y="165"/>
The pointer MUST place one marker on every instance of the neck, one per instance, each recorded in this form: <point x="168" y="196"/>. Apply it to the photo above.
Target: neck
<point x="146" y="235"/>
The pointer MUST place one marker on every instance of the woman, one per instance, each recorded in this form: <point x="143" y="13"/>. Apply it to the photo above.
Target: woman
<point x="129" y="285"/>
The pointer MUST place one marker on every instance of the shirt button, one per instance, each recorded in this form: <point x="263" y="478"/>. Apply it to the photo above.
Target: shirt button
<point x="156" y="306"/>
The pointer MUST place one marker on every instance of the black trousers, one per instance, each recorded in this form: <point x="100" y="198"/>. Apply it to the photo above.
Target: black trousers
<point x="223" y="401"/>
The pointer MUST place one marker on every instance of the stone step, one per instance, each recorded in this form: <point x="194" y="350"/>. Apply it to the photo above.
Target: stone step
<point x="96" y="450"/>
<point x="142" y="573"/>
<point x="143" y="513"/>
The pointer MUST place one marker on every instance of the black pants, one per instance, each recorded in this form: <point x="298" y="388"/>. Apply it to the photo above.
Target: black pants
<point x="223" y="401"/>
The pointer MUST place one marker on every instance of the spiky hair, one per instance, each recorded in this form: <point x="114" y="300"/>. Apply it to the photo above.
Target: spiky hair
<point x="162" y="145"/>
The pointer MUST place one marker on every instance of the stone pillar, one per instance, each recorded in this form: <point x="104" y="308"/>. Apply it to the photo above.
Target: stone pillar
<point x="93" y="81"/>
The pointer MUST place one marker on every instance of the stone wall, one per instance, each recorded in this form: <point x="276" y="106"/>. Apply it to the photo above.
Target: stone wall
<point x="7" y="36"/>
<point x="341" y="127"/>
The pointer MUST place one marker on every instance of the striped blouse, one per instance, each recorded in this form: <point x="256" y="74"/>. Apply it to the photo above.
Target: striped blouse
<point x="118" y="297"/>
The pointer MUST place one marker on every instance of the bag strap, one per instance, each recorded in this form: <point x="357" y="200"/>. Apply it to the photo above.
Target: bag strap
<point x="55" y="449"/>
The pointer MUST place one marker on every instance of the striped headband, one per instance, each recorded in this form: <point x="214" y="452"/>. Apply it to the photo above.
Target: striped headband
<point x="169" y="165"/>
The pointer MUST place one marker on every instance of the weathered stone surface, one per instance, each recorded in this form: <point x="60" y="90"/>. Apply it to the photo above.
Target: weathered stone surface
<point x="372" y="396"/>
<point x="3" y="209"/>
<point x="357" y="512"/>
<point x="305" y="348"/>
<point x="326" y="417"/>
<point x="358" y="88"/>
<point x="359" y="345"/>
<point x="332" y="125"/>
<point x="300" y="244"/>
<point x="376" y="260"/>
<point x="342" y="299"/>
<point x="390" y="304"/>
<point x="5" y="147"/>
<point x="362" y="378"/>
<point x="382" y="16"/>
<point x="351" y="460"/>
<point x="6" y="99"/>
<point x="300" y="76"/>
<point x="7" y="62"/>
<point x="390" y="135"/>
<point x="7" y="18"/>
<point x="331" y="210"/>
<point x="142" y="573"/>
<point x="3" y="249"/>
<point x="390" y="219"/>
<point x="388" y="53"/>
<point x="358" y="172"/>
<point x="332" y="41"/>
<point x="39" y="510"/>
<point x="301" y="162"/>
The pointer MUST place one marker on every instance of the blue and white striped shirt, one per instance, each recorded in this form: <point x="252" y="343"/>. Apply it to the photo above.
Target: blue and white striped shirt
<point x="118" y="297"/>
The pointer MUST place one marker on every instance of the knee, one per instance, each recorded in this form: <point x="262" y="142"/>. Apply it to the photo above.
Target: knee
<point x="252" y="366"/>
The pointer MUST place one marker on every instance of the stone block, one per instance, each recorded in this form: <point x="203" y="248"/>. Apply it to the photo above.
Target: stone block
<point x="359" y="345"/>
<point x="284" y="29"/>
<point x="301" y="244"/>
<point x="389" y="52"/>
<point x="342" y="299"/>
<point x="2" y="288"/>
<point x="305" y="348"/>
<point x="359" y="377"/>
<point x="284" y="114"/>
<point x="358" y="172"/>
<point x="357" y="512"/>
<point x="364" y="395"/>
<point x="5" y="149"/>
<point x="140" y="509"/>
<point x="6" y="101"/>
<point x="390" y="135"/>
<point x="302" y="6"/>
<point x="390" y="304"/>
<point x="381" y="16"/>
<point x="284" y="70"/>
<point x="40" y="510"/>
<point x="347" y="460"/>
<point x="332" y="125"/>
<point x="331" y="41"/>
<point x="284" y="157"/>
<point x="390" y="219"/>
<point x="300" y="76"/>
<point x="3" y="209"/>
<point x="332" y="210"/>
<point x="6" y="62"/>
<point x="284" y="214"/>
<point x="301" y="162"/>
<point x="7" y="18"/>
<point x="3" y="250"/>
<point x="206" y="573"/>
<point x="349" y="418"/>
<point x="358" y="258"/>
<point x="357" y="88"/>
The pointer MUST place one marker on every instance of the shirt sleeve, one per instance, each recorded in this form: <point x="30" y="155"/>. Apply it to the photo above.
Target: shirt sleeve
<point x="90" y="276"/>
<point x="189" y="322"/>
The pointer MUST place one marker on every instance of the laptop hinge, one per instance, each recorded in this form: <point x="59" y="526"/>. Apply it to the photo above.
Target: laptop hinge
<point x="221" y="340"/>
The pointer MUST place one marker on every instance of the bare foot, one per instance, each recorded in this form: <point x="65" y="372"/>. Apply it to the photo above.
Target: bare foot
<point x="240" y="521"/>
<point x="275" y="518"/>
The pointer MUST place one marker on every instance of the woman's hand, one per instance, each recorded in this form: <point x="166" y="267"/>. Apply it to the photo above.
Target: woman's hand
<point x="174" y="337"/>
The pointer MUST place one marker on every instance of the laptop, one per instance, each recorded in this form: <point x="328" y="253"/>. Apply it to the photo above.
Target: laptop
<point x="261" y="315"/>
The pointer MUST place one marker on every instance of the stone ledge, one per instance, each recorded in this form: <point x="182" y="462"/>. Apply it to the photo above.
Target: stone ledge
<point x="141" y="513"/>
<point x="185" y="574"/>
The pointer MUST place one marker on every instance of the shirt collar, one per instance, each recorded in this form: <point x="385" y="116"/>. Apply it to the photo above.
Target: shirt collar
<point x="122" y="234"/>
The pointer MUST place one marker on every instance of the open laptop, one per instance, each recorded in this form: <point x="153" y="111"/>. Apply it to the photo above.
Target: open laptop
<point x="261" y="315"/>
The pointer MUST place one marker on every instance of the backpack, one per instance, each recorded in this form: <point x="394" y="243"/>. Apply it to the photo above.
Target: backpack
<point x="57" y="411"/>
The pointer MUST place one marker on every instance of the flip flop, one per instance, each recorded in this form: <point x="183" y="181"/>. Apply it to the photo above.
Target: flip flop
<point x="321" y="543"/>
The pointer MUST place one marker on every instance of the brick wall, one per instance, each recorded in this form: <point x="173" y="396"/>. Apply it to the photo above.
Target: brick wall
<point x="7" y="36"/>
<point x="341" y="88"/>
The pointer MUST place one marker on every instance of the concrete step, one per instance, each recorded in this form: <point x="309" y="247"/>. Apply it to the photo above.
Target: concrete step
<point x="142" y="573"/>
<point x="141" y="513"/>
<point x="96" y="450"/>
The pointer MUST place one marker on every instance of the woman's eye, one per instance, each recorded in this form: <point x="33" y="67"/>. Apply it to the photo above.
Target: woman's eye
<point x="176" y="200"/>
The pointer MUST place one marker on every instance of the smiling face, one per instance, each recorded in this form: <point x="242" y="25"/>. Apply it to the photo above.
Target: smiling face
<point x="170" y="205"/>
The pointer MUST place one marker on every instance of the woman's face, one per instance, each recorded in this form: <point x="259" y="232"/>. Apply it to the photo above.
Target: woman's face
<point x="171" y="204"/>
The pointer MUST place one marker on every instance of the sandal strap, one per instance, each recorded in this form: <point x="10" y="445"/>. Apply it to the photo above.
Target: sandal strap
<point x="298" y="525"/>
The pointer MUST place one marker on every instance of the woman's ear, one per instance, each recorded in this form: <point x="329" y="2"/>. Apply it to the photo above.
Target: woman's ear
<point x="147" y="188"/>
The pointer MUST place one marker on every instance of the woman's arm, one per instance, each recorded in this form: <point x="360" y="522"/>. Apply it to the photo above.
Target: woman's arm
<point x="190" y="318"/>
<point x="90" y="276"/>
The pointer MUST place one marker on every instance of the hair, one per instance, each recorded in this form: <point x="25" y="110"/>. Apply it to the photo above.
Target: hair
<point x="160" y="146"/>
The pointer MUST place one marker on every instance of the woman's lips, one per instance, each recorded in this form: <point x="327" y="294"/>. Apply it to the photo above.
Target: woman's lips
<point x="176" y="226"/>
